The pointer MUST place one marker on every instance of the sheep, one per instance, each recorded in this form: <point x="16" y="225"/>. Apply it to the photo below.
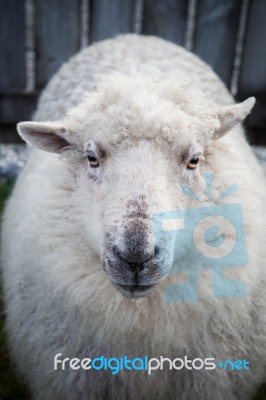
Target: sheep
<point x="123" y="132"/>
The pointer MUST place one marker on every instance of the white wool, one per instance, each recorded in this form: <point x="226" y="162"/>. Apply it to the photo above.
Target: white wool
<point x="143" y="99"/>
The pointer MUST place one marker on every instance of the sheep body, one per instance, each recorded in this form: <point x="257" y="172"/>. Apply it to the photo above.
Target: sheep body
<point x="57" y="295"/>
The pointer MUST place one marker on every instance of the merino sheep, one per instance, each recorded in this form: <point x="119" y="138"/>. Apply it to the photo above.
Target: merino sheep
<point x="137" y="122"/>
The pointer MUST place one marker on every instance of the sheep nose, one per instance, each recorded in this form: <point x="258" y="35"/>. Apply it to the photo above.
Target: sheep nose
<point x="136" y="260"/>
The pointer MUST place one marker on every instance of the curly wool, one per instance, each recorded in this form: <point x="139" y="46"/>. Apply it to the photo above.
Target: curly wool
<point x="58" y="298"/>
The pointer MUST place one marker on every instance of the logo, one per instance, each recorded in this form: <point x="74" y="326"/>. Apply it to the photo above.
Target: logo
<point x="206" y="237"/>
<point x="145" y="363"/>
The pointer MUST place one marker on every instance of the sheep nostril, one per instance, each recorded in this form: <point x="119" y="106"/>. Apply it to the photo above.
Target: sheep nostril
<point x="136" y="261"/>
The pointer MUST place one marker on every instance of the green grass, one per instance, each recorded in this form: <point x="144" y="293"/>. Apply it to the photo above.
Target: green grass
<point x="10" y="387"/>
<point x="261" y="395"/>
<point x="5" y="190"/>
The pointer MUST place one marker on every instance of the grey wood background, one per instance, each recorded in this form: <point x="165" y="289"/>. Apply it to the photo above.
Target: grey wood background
<point x="37" y="36"/>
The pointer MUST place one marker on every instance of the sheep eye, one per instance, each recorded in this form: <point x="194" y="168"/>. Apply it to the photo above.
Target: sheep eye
<point x="94" y="162"/>
<point x="193" y="162"/>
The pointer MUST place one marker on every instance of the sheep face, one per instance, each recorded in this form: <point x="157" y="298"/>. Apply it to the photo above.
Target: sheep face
<point x="133" y="156"/>
<point x="147" y="177"/>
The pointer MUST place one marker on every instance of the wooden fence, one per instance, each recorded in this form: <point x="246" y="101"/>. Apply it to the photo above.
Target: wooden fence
<point x="37" y="36"/>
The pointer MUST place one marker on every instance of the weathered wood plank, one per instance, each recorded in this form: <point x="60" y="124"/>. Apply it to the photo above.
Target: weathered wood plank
<point x="165" y="18"/>
<point x="111" y="17"/>
<point x="57" y="35"/>
<point x="12" y="39"/>
<point x="215" y="34"/>
<point x="257" y="118"/>
<point x="8" y="134"/>
<point x="16" y="107"/>
<point x="253" y="72"/>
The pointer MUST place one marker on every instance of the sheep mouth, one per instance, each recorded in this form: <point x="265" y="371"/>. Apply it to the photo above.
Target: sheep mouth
<point x="134" y="290"/>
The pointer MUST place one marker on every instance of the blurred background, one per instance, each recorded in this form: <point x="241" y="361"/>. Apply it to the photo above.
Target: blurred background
<point x="37" y="36"/>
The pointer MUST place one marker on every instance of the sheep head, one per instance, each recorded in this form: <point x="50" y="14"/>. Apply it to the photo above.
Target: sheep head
<point x="136" y="143"/>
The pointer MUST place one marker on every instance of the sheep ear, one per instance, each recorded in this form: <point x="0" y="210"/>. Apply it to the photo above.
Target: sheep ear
<point x="230" y="116"/>
<point x="47" y="136"/>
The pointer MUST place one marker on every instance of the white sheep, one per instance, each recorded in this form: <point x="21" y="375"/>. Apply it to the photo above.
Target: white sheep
<point x="137" y="122"/>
